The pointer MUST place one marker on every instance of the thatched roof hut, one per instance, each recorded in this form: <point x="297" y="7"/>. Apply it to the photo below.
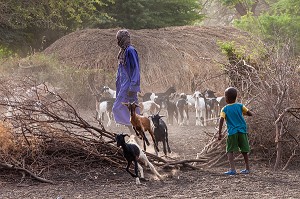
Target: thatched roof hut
<point x="187" y="57"/>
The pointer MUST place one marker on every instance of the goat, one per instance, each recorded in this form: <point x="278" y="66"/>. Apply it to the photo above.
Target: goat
<point x="151" y="96"/>
<point x="140" y="125"/>
<point x="221" y="103"/>
<point x="183" y="109"/>
<point x="112" y="92"/>
<point x="132" y="153"/>
<point x="171" y="110"/>
<point x="161" y="132"/>
<point x="212" y="103"/>
<point x="191" y="100"/>
<point x="149" y="107"/>
<point x="200" y="107"/>
<point x="104" y="105"/>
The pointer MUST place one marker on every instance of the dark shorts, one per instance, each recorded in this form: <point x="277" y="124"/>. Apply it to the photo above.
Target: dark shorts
<point x="238" y="142"/>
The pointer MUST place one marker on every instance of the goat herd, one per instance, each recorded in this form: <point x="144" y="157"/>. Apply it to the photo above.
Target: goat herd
<point x="177" y="106"/>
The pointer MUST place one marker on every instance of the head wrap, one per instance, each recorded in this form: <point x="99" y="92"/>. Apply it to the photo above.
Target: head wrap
<point x="123" y="38"/>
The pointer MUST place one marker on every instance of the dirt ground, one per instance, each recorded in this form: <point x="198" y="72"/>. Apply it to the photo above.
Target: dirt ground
<point x="185" y="142"/>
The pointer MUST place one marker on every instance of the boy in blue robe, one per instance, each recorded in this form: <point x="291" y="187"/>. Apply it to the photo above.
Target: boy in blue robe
<point x="127" y="80"/>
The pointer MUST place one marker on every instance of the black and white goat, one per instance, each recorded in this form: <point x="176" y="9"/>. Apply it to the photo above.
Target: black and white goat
<point x="152" y="96"/>
<point x="133" y="153"/>
<point x="161" y="132"/>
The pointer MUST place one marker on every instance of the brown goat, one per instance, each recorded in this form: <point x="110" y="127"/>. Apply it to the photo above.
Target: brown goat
<point x="141" y="124"/>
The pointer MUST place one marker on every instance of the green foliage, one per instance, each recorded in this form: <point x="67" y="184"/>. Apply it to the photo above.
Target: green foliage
<point x="30" y="24"/>
<point x="139" y="14"/>
<point x="230" y="49"/>
<point x="280" y="24"/>
<point x="5" y="52"/>
<point x="242" y="7"/>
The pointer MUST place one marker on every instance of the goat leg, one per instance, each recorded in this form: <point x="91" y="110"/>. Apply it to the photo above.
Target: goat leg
<point x="164" y="147"/>
<point x="154" y="140"/>
<point x="127" y="169"/>
<point x="137" y="133"/>
<point x="144" y="137"/>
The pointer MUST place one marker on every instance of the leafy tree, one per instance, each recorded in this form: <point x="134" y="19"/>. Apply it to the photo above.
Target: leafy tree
<point x="139" y="14"/>
<point x="28" y="24"/>
<point x="280" y="24"/>
<point x="241" y="6"/>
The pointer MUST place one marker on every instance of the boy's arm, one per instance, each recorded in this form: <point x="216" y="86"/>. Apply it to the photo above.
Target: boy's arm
<point x="246" y="111"/>
<point x="221" y="122"/>
<point x="249" y="113"/>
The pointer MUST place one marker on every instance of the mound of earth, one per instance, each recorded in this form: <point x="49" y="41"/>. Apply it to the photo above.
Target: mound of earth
<point x="185" y="57"/>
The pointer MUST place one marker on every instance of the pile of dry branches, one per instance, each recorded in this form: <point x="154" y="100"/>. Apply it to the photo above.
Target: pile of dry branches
<point x="271" y="91"/>
<point x="40" y="130"/>
<point x="40" y="127"/>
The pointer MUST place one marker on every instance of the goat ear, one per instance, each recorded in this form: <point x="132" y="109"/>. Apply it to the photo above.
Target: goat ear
<point x="162" y="116"/>
<point x="126" y="135"/>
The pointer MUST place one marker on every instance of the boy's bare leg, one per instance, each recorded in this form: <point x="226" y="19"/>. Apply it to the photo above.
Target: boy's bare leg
<point x="246" y="158"/>
<point x="231" y="160"/>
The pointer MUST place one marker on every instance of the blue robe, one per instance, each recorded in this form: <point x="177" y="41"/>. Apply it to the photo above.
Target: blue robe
<point x="128" y="79"/>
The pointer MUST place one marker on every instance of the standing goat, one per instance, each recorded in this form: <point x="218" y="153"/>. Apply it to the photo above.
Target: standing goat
<point x="171" y="110"/>
<point x="132" y="153"/>
<point x="161" y="132"/>
<point x="200" y="107"/>
<point x="149" y="107"/>
<point x="152" y="96"/>
<point x="140" y="125"/>
<point x="183" y="109"/>
<point x="112" y="92"/>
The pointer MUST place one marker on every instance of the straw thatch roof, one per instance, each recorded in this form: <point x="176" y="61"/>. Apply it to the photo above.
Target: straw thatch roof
<point x="180" y="56"/>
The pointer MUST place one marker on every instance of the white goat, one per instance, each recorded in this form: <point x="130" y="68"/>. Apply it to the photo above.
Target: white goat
<point x="112" y="92"/>
<point x="200" y="109"/>
<point x="104" y="107"/>
<point x="148" y="107"/>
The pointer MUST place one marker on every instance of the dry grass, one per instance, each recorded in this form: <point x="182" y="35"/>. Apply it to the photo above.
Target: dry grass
<point x="168" y="56"/>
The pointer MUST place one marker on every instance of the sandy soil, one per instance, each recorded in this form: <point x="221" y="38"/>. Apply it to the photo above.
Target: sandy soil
<point x="185" y="142"/>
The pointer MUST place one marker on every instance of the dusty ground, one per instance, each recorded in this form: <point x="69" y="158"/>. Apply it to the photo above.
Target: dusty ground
<point x="111" y="182"/>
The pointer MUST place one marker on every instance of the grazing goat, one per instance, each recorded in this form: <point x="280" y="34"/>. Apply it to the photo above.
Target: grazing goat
<point x="183" y="109"/>
<point x="200" y="107"/>
<point x="140" y="125"/>
<point x="132" y="153"/>
<point x="161" y="132"/>
<point x="149" y="107"/>
<point x="151" y="96"/>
